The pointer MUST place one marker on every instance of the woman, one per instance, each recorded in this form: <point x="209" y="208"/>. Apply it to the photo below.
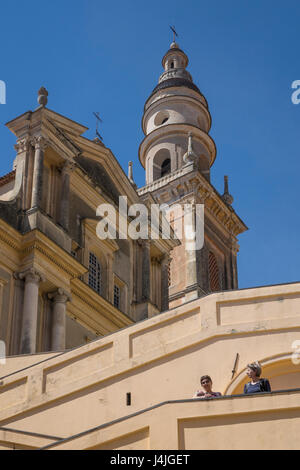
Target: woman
<point x="206" y="384"/>
<point x="257" y="385"/>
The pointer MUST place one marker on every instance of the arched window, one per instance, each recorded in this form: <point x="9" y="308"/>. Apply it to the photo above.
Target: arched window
<point x="94" y="273"/>
<point x="165" y="167"/>
<point x="172" y="65"/>
<point x="213" y="270"/>
<point x="161" y="117"/>
<point x="161" y="164"/>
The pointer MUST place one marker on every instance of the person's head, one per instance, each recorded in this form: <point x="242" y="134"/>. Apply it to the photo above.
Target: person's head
<point x="206" y="383"/>
<point x="253" y="370"/>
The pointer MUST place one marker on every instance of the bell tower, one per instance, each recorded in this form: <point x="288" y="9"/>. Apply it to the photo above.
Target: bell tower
<point x="174" y="109"/>
<point x="177" y="154"/>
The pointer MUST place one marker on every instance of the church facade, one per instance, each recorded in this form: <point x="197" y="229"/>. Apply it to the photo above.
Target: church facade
<point x="50" y="200"/>
<point x="112" y="334"/>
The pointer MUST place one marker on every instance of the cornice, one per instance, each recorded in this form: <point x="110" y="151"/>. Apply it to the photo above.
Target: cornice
<point x="61" y="142"/>
<point x="221" y="211"/>
<point x="66" y="124"/>
<point x="196" y="185"/>
<point x="175" y="98"/>
<point x="82" y="185"/>
<point x="105" y="156"/>
<point x="99" y="304"/>
<point x="10" y="236"/>
<point x="38" y="242"/>
<point x="90" y="226"/>
<point x="154" y="96"/>
<point x="165" y="180"/>
<point x="178" y="129"/>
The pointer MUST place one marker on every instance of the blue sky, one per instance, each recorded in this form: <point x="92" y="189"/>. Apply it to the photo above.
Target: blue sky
<point x="106" y="56"/>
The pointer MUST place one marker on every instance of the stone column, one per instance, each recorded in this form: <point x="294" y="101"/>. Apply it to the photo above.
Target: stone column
<point x="23" y="149"/>
<point x="30" y="310"/>
<point x="58" y="335"/>
<point x="17" y="314"/>
<point x="65" y="194"/>
<point x="190" y="252"/>
<point x="165" y="283"/>
<point x="146" y="270"/>
<point x="37" y="180"/>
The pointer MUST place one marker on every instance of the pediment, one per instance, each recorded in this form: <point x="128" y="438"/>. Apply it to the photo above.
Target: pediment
<point x="64" y="136"/>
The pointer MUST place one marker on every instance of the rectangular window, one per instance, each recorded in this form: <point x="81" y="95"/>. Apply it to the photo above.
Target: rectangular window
<point x="117" y="295"/>
<point x="94" y="273"/>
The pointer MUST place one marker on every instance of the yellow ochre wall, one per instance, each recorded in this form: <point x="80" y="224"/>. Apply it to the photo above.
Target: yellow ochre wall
<point x="161" y="359"/>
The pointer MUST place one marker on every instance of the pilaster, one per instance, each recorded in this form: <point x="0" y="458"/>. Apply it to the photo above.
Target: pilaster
<point x="66" y="170"/>
<point x="39" y="144"/>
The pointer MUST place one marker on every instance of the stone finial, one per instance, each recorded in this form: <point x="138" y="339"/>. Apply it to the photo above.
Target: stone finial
<point x="130" y="174"/>
<point x="227" y="196"/>
<point x="190" y="155"/>
<point x="42" y="96"/>
<point x="174" y="45"/>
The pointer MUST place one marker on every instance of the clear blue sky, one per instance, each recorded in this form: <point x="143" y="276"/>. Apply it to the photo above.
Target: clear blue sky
<point x="106" y="56"/>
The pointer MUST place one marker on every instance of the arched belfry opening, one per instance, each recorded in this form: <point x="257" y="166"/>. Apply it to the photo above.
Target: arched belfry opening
<point x="166" y="167"/>
<point x="161" y="164"/>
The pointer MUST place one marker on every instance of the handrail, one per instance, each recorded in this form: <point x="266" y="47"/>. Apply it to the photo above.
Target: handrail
<point x="30" y="433"/>
<point x="158" y="405"/>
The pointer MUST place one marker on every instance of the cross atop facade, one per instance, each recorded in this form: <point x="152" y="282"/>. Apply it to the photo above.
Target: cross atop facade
<point x="98" y="120"/>
<point x="174" y="32"/>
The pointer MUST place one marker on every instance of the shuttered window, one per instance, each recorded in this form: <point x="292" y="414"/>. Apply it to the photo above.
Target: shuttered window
<point x="117" y="296"/>
<point x="214" y="280"/>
